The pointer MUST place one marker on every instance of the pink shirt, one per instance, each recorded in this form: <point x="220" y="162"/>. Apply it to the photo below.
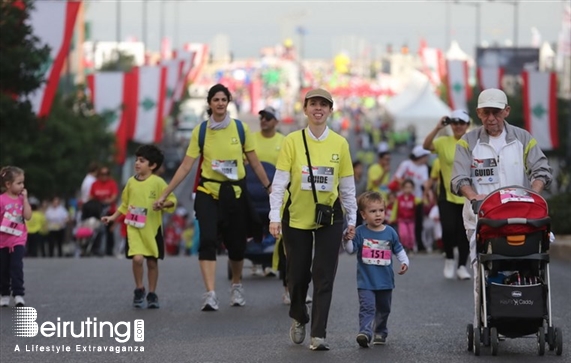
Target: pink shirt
<point x="13" y="231"/>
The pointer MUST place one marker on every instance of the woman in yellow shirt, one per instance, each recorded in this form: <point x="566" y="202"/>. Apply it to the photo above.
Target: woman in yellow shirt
<point x="314" y="174"/>
<point x="221" y="206"/>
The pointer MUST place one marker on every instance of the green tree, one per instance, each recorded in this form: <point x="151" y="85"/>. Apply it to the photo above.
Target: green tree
<point x="54" y="152"/>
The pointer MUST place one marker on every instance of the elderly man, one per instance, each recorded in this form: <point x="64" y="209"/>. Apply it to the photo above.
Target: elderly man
<point x="506" y="154"/>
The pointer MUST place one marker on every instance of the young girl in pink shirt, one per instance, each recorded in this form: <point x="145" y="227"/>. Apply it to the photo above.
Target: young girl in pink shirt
<point x="14" y="209"/>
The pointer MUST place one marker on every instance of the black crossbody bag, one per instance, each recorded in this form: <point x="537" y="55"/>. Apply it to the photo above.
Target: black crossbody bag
<point x="323" y="212"/>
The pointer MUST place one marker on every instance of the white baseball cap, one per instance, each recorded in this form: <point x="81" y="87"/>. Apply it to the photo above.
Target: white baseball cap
<point x="419" y="152"/>
<point x="492" y="97"/>
<point x="460" y="115"/>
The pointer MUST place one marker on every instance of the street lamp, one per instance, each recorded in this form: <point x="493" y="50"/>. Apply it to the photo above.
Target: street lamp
<point x="477" y="6"/>
<point x="144" y="32"/>
<point x="515" y="4"/>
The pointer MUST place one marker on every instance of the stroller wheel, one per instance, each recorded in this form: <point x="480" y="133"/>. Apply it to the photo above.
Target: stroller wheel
<point x="558" y="341"/>
<point x="476" y="341"/>
<point x="541" y="341"/>
<point x="486" y="336"/>
<point x="551" y="338"/>
<point x="494" y="341"/>
<point x="470" y="337"/>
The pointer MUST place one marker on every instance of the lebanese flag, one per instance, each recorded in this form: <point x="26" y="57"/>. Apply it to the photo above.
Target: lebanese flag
<point x="187" y="57"/>
<point x="200" y="59"/>
<point x="108" y="97"/>
<point x="174" y="70"/>
<point x="53" y="23"/>
<point x="150" y="91"/>
<point x="490" y="77"/>
<point x="432" y="63"/>
<point x="457" y="81"/>
<point x="540" y="107"/>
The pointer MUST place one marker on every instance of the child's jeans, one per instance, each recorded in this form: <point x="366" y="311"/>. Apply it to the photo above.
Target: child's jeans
<point x="12" y="271"/>
<point x="374" y="310"/>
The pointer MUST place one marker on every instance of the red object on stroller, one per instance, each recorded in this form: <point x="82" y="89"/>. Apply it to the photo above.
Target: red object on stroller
<point x="511" y="211"/>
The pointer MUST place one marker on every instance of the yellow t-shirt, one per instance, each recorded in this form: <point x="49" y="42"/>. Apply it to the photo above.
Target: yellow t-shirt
<point x="268" y="149"/>
<point x="142" y="195"/>
<point x="37" y="223"/>
<point x="445" y="147"/>
<point x="223" y="159"/>
<point x="330" y="159"/>
<point x="375" y="171"/>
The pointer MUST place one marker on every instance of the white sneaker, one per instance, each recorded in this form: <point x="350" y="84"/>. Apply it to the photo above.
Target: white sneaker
<point x="5" y="301"/>
<point x="19" y="301"/>
<point x="237" y="295"/>
<point x="286" y="299"/>
<point x="210" y="302"/>
<point x="449" y="268"/>
<point x="308" y="299"/>
<point x="463" y="273"/>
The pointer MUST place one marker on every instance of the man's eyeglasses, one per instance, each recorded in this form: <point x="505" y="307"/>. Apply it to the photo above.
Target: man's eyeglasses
<point x="490" y="111"/>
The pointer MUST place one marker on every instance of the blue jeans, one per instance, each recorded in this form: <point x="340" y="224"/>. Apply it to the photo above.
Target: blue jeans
<point x="374" y="310"/>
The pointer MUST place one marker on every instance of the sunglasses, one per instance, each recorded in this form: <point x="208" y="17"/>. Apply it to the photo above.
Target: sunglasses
<point x="457" y="121"/>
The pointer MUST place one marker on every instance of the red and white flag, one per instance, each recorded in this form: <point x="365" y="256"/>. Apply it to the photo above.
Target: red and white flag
<point x="540" y="108"/>
<point x="490" y="77"/>
<point x="174" y="68"/>
<point x="432" y="63"/>
<point x="108" y="93"/>
<point x="150" y="93"/>
<point x="457" y="81"/>
<point x="187" y="57"/>
<point x="199" y="61"/>
<point x="53" y="23"/>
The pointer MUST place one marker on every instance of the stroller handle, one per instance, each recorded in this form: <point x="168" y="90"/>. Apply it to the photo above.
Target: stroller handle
<point x="497" y="223"/>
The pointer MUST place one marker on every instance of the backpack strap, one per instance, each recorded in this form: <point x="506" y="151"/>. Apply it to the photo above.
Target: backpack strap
<point x="202" y="139"/>
<point x="202" y="134"/>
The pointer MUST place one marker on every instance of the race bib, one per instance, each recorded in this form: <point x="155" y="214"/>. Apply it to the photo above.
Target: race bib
<point x="13" y="225"/>
<point x="376" y="252"/>
<point x="228" y="168"/>
<point x="515" y="195"/>
<point x="322" y="177"/>
<point x="136" y="217"/>
<point x="485" y="171"/>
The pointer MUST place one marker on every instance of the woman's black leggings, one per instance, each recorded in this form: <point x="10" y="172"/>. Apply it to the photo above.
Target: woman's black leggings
<point x="233" y="234"/>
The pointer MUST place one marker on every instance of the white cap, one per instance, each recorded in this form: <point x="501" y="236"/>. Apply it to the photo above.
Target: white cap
<point x="460" y="115"/>
<point x="492" y="97"/>
<point x="419" y="152"/>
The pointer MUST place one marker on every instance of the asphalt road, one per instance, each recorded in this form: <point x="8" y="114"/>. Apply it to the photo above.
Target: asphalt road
<point x="427" y="322"/>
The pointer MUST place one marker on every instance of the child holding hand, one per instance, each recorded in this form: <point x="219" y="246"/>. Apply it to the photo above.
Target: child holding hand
<point x="144" y="221"/>
<point x="375" y="243"/>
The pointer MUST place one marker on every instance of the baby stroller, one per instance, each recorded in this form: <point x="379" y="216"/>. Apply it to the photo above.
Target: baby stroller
<point x="90" y="229"/>
<point x="512" y="241"/>
<point x="259" y="253"/>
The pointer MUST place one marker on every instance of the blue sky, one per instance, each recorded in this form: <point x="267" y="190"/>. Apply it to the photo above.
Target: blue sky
<point x="330" y="25"/>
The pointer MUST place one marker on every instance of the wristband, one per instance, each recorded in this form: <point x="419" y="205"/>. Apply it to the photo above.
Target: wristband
<point x="268" y="186"/>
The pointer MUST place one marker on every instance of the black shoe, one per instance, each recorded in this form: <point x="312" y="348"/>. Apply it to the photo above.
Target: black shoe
<point x="152" y="301"/>
<point x="139" y="298"/>
<point x="363" y="340"/>
<point x="380" y="340"/>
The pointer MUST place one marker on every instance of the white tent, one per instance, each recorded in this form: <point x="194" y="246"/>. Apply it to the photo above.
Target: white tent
<point x="418" y="106"/>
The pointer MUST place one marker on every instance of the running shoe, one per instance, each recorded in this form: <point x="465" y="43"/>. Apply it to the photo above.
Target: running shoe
<point x="210" y="302"/>
<point x="152" y="301"/>
<point x="139" y="298"/>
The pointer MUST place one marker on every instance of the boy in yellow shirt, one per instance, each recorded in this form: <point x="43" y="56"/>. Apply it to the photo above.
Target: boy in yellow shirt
<point x="144" y="222"/>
